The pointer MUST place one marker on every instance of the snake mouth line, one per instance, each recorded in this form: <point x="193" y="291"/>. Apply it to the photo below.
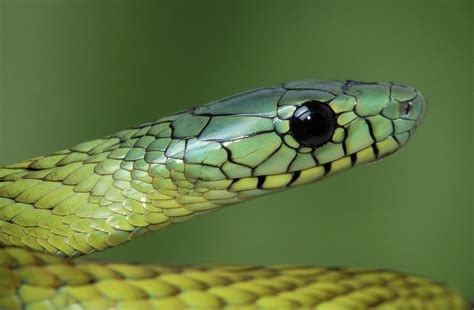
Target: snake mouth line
<point x="372" y="153"/>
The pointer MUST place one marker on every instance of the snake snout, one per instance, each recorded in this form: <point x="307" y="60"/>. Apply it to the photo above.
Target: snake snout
<point x="420" y="104"/>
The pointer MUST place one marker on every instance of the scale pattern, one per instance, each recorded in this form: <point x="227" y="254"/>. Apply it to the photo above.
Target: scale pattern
<point x="46" y="282"/>
<point x="104" y="192"/>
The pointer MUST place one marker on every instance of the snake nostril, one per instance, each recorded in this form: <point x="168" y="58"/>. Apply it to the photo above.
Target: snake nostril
<point x="405" y="108"/>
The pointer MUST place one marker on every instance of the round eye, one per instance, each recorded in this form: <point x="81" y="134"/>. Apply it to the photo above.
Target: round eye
<point x="313" y="124"/>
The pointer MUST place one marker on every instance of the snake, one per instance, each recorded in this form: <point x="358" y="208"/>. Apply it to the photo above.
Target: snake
<point x="107" y="191"/>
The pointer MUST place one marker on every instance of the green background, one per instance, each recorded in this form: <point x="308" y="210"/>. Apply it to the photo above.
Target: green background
<point x="73" y="71"/>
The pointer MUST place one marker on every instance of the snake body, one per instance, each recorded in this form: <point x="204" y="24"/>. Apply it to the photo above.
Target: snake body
<point x="108" y="191"/>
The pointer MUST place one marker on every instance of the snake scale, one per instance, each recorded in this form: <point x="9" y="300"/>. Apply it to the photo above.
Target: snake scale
<point x="108" y="191"/>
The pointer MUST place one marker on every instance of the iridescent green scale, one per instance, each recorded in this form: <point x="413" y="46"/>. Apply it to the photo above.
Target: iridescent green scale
<point x="105" y="192"/>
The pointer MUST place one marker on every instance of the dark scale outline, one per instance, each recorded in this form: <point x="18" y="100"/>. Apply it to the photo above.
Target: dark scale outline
<point x="371" y="132"/>
<point x="140" y="132"/>
<point x="353" y="159"/>
<point x="376" y="150"/>
<point x="294" y="177"/>
<point x="396" y="139"/>
<point x="371" y="129"/>
<point x="350" y="83"/>
<point x="260" y="181"/>
<point x="327" y="168"/>
<point x="269" y="156"/>
<point x="278" y="103"/>
<point x="284" y="142"/>
<point x="231" y="160"/>
<point x="343" y="142"/>
<point x="410" y="134"/>
<point x="176" y="141"/>
<point x="173" y="129"/>
<point x="233" y="182"/>
<point x="316" y="160"/>
<point x="156" y="138"/>
<point x="156" y="135"/>
<point x="135" y="146"/>
<point x="203" y="128"/>
<point x="369" y="125"/>
<point x="356" y="101"/>
<point x="293" y="160"/>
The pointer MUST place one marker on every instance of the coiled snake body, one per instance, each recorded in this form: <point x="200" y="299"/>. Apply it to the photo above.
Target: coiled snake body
<point x="107" y="191"/>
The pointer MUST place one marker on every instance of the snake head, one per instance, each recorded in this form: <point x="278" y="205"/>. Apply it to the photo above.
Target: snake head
<point x="299" y="132"/>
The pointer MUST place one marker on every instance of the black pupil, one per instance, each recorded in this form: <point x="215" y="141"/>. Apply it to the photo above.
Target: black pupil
<point x="313" y="124"/>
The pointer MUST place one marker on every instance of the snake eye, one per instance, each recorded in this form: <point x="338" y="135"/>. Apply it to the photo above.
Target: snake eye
<point x="313" y="124"/>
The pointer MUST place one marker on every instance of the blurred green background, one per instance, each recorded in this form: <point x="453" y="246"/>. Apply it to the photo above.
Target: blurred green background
<point x="73" y="71"/>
